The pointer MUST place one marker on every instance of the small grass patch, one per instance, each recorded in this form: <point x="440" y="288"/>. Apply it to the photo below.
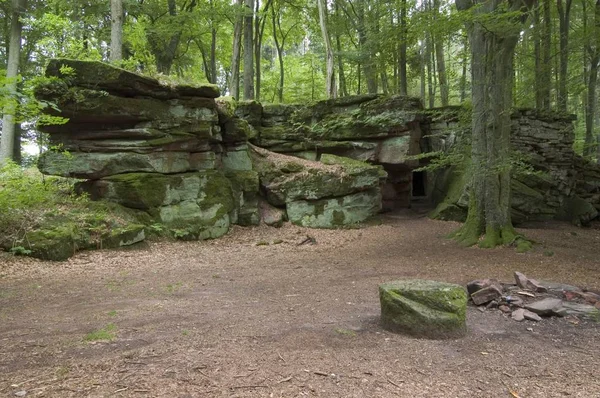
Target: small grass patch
<point x="172" y="288"/>
<point x="345" y="332"/>
<point x="106" y="333"/>
<point x="112" y="313"/>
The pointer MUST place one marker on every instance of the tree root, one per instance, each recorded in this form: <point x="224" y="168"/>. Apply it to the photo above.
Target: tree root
<point x="469" y="235"/>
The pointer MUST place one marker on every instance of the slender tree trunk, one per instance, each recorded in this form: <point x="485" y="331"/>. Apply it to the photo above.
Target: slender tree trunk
<point x="441" y="69"/>
<point x="403" y="60"/>
<point x="593" y="50"/>
<point x="248" y="51"/>
<point x="213" y="48"/>
<point x="546" y="67"/>
<point x="492" y="76"/>
<point x="116" y="30"/>
<point x="259" y="28"/>
<point x="439" y="56"/>
<point x="591" y="103"/>
<point x="423" y="72"/>
<point x="430" y="72"/>
<point x="17" y="157"/>
<point x="463" y="76"/>
<point x="366" y="50"/>
<point x="342" y="76"/>
<point x="213" y="56"/>
<point x="330" y="82"/>
<point x="279" y="48"/>
<point x="343" y="90"/>
<point x="7" y="139"/>
<point x="234" y="82"/>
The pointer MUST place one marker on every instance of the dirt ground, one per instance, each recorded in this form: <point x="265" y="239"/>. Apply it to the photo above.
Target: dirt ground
<point x="230" y="318"/>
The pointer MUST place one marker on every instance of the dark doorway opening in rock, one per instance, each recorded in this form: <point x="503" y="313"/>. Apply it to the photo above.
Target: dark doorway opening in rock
<point x="419" y="179"/>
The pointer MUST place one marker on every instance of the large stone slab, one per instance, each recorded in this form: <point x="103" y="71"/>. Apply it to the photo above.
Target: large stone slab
<point x="102" y="76"/>
<point x="336" y="212"/>
<point x="424" y="308"/>
<point x="99" y="165"/>
<point x="287" y="179"/>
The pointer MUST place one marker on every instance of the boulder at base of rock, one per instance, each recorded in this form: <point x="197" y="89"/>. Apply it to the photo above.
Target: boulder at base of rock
<point x="335" y="212"/>
<point x="271" y="215"/>
<point x="424" y="308"/>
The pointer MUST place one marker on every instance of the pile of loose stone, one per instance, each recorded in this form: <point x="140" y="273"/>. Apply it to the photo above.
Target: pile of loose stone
<point x="529" y="299"/>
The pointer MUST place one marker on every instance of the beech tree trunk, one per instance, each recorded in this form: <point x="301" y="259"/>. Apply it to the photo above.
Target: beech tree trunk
<point x="564" y="19"/>
<point x="249" y="51"/>
<point x="492" y="51"/>
<point x="7" y="140"/>
<point x="234" y="82"/>
<point x="279" y="48"/>
<point x="441" y="62"/>
<point x="546" y="44"/>
<point x="330" y="82"/>
<point x="116" y="30"/>
<point x="403" y="37"/>
<point x="593" y="57"/>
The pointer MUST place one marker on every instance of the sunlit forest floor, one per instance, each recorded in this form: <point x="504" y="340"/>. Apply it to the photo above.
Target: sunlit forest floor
<point x="255" y="314"/>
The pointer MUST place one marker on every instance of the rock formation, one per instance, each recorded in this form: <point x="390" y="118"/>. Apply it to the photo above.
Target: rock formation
<point x="181" y="156"/>
<point x="198" y="163"/>
<point x="549" y="180"/>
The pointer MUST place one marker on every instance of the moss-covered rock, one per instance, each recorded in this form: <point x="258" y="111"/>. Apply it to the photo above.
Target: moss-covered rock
<point x="98" y="165"/>
<point x="102" y="76"/>
<point x="236" y="158"/>
<point x="337" y="212"/>
<point x="423" y="308"/>
<point x="286" y="179"/>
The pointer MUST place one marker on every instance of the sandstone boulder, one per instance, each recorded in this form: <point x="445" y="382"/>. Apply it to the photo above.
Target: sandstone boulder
<point x="423" y="308"/>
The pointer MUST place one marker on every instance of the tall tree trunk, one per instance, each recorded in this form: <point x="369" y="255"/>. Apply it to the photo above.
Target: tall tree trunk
<point x="116" y="30"/>
<point x="441" y="69"/>
<point x="492" y="53"/>
<point x="439" y="56"/>
<point x="463" y="76"/>
<point x="248" y="51"/>
<point x="546" y="45"/>
<point x="342" y="77"/>
<point x="234" y="82"/>
<point x="403" y="60"/>
<point x="12" y="70"/>
<point x="259" y="29"/>
<point x="430" y="72"/>
<point x="591" y="103"/>
<point x="164" y="54"/>
<point x="537" y="55"/>
<point x="17" y="156"/>
<point x="330" y="82"/>
<point x="279" y="48"/>
<point x="593" y="50"/>
<point x="213" y="56"/>
<point x="366" y="50"/>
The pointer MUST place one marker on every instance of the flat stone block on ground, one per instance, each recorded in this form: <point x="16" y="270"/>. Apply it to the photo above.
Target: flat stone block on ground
<point x="424" y="308"/>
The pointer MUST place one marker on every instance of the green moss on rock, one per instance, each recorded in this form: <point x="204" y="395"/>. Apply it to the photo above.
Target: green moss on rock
<point x="423" y="308"/>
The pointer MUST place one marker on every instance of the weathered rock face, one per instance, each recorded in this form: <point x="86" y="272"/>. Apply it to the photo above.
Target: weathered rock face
<point x="424" y="308"/>
<point x="182" y="156"/>
<point x="373" y="128"/>
<point x="553" y="187"/>
<point x="332" y="193"/>
<point x="150" y="146"/>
